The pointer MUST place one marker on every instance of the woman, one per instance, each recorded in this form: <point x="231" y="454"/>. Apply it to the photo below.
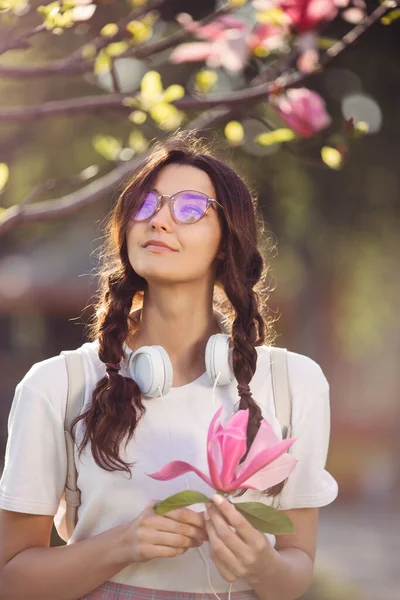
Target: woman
<point x="152" y="295"/>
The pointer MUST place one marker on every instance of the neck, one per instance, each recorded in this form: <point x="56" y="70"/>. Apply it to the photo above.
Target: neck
<point x="181" y="324"/>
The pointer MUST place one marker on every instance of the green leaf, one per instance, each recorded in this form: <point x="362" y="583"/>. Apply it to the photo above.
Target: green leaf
<point x="275" y="137"/>
<point x="137" y="141"/>
<point x="151" y="88"/>
<point x="117" y="48"/>
<point x="179" y="500"/>
<point x="166" y="115"/>
<point x="173" y="92"/>
<point x="205" y="80"/>
<point x="391" y="16"/>
<point x="139" y="31"/>
<point x="107" y="145"/>
<point x="265" y="518"/>
<point x="332" y="157"/>
<point x="4" y="173"/>
<point x="138" y="117"/>
<point x="325" y="43"/>
<point x="234" y="132"/>
<point x="109" y="30"/>
<point x="102" y="63"/>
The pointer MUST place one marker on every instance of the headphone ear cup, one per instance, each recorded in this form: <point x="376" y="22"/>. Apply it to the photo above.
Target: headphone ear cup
<point x="151" y="368"/>
<point x="219" y="359"/>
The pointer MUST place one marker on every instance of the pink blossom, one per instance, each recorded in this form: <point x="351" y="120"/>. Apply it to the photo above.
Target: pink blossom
<point x="266" y="464"/>
<point x="306" y="15"/>
<point x="225" y="43"/>
<point x="267" y="36"/>
<point x="303" y="110"/>
<point x="214" y="30"/>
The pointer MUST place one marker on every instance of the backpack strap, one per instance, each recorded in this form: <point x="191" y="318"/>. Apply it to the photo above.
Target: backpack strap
<point x="282" y="396"/>
<point x="75" y="399"/>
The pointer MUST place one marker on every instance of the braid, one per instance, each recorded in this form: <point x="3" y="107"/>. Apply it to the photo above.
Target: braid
<point x="116" y="404"/>
<point x="248" y="331"/>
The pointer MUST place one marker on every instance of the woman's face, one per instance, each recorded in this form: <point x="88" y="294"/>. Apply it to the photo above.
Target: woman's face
<point x="195" y="245"/>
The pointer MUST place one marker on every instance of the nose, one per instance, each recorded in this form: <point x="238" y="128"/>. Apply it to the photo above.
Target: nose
<point x="163" y="217"/>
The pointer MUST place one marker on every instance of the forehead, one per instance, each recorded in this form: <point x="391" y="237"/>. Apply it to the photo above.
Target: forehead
<point x="174" y="178"/>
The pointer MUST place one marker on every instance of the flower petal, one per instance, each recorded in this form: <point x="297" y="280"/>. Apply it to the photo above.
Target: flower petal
<point x="191" y="51"/>
<point x="233" y="445"/>
<point x="177" y="468"/>
<point x="214" y="454"/>
<point x="265" y="438"/>
<point x="263" y="458"/>
<point x="272" y="474"/>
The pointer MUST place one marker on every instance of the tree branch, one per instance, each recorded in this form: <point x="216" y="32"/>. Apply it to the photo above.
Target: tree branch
<point x="75" y="64"/>
<point x="50" y="210"/>
<point x="19" y="42"/>
<point x="71" y="106"/>
<point x="232" y="99"/>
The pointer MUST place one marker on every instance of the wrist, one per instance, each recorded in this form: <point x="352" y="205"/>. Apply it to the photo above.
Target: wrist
<point x="268" y="567"/>
<point x="123" y="553"/>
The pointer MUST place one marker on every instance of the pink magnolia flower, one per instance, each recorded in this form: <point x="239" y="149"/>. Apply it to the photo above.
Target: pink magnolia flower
<point x="306" y="15"/>
<point x="267" y="36"/>
<point x="266" y="464"/>
<point x="225" y="43"/>
<point x="303" y="110"/>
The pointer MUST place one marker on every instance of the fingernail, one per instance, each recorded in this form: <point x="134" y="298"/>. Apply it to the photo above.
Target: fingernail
<point x="206" y="515"/>
<point x="217" y="499"/>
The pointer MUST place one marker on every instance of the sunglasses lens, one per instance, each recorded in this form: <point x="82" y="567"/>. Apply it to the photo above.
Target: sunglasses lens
<point x="190" y="207"/>
<point x="148" y="207"/>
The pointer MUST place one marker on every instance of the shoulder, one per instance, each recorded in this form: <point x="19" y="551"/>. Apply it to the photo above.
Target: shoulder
<point x="307" y="381"/>
<point x="48" y="379"/>
<point x="303" y="371"/>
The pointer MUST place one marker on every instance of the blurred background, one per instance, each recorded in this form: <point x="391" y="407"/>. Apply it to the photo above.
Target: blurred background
<point x="336" y="269"/>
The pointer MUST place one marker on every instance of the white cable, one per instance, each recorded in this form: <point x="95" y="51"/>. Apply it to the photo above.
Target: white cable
<point x="188" y="487"/>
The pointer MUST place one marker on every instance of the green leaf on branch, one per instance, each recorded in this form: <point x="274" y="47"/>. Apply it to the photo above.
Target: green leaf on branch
<point x="276" y="137"/>
<point x="174" y="92"/>
<point x="325" y="43"/>
<point x="265" y="518"/>
<point x="332" y="157"/>
<point x="234" y="132"/>
<point x="107" y="145"/>
<point x="205" y="80"/>
<point x="4" y="173"/>
<point x="179" y="500"/>
<point x="137" y="141"/>
<point x="116" y="48"/>
<point x="391" y="16"/>
<point x="103" y="63"/>
<point x="166" y="115"/>
<point x="109" y="30"/>
<point x="139" y="31"/>
<point x="138" y="117"/>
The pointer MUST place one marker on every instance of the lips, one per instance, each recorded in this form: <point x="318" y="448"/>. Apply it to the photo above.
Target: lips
<point x="157" y="243"/>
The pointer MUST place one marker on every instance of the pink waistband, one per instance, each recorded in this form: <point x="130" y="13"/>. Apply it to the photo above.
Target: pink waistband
<point x="118" y="591"/>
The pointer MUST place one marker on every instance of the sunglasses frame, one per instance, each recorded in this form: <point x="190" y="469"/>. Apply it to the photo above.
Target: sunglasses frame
<point x="210" y="201"/>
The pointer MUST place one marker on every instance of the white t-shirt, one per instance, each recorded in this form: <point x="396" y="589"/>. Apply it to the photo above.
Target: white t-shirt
<point x="172" y="428"/>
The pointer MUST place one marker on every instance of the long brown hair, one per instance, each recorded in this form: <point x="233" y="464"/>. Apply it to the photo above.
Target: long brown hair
<point x="241" y="292"/>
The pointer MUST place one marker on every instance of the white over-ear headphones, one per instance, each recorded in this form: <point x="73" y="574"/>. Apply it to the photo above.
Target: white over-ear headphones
<point x="151" y="368"/>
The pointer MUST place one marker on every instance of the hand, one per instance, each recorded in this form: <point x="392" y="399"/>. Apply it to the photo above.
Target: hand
<point x="246" y="553"/>
<point x="153" y="536"/>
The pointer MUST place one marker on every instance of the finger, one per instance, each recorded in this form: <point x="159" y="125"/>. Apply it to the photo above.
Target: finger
<point x="220" y="553"/>
<point x="162" y="523"/>
<point x="186" y="515"/>
<point x="230" y="538"/>
<point x="163" y="538"/>
<point x="243" y="528"/>
<point x="151" y="551"/>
